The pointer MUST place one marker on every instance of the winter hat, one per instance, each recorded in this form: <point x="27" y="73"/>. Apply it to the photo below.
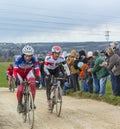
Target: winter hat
<point x="80" y="64"/>
<point x="73" y="53"/>
<point x="89" y="54"/>
<point x="95" y="53"/>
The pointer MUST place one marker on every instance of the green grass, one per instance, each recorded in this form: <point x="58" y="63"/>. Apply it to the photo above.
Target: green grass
<point x="3" y="67"/>
<point x="108" y="97"/>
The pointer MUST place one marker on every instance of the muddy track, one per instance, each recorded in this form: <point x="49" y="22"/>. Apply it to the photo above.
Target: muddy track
<point x="76" y="113"/>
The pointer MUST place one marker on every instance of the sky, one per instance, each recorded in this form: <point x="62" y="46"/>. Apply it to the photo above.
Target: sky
<point x="24" y="21"/>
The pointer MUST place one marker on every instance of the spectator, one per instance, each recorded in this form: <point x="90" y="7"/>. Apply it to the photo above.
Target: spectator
<point x="82" y="56"/>
<point x="41" y="66"/>
<point x="66" y="86"/>
<point x="90" y="64"/>
<point x="101" y="72"/>
<point x="83" y="75"/>
<point x="114" y="66"/>
<point x="115" y="47"/>
<point x="73" y="71"/>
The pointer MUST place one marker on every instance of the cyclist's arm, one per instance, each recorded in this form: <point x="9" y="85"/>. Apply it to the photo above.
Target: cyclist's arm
<point x="36" y="67"/>
<point x="46" y="70"/>
<point x="47" y="63"/>
<point x="15" y="69"/>
<point x="7" y="72"/>
<point x="16" y="66"/>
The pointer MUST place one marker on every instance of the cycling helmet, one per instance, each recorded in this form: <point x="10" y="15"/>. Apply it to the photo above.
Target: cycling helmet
<point x="89" y="54"/>
<point x="56" y="49"/>
<point x="28" y="50"/>
<point x="80" y="64"/>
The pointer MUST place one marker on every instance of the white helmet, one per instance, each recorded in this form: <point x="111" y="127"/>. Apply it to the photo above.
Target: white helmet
<point x="28" y="50"/>
<point x="89" y="54"/>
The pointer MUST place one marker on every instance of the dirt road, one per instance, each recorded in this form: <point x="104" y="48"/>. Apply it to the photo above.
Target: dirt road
<point x="76" y="114"/>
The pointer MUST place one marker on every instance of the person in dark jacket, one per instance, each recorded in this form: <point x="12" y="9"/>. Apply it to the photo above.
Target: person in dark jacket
<point x="101" y="72"/>
<point x="82" y="56"/>
<point x="41" y="66"/>
<point x="74" y="73"/>
<point x="90" y="63"/>
<point x="114" y="66"/>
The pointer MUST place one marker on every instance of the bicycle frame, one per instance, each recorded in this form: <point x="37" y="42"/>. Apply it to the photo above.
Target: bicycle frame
<point x="56" y="95"/>
<point x="28" y="104"/>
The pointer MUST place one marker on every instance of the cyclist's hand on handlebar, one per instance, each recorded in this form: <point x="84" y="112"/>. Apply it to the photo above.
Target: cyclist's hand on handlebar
<point x="17" y="81"/>
<point x="38" y="79"/>
<point x="47" y="76"/>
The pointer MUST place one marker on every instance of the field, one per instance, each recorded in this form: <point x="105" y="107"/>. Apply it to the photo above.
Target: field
<point x="3" y="67"/>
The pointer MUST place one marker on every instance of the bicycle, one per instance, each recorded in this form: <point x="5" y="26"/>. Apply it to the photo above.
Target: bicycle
<point x="28" y="105"/>
<point x="56" y="95"/>
<point x="11" y="87"/>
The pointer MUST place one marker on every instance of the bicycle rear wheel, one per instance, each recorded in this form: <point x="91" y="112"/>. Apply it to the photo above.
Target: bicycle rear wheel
<point x="58" y="97"/>
<point x="12" y="86"/>
<point x="30" y="110"/>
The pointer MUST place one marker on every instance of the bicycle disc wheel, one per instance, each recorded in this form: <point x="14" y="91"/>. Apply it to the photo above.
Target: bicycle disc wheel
<point x="58" y="96"/>
<point x="30" y="110"/>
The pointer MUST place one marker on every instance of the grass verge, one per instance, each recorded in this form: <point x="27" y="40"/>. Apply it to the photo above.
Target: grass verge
<point x="108" y="97"/>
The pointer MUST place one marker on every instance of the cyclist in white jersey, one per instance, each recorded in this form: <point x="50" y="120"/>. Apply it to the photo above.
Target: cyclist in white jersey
<point x="53" y="66"/>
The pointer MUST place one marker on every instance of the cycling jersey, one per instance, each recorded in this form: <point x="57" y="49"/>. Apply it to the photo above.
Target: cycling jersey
<point x="9" y="71"/>
<point x="23" y="68"/>
<point x="50" y="64"/>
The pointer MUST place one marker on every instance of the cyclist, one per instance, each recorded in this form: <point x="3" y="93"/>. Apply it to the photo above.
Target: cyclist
<point x="23" y="69"/>
<point x="9" y="73"/>
<point x="53" y="66"/>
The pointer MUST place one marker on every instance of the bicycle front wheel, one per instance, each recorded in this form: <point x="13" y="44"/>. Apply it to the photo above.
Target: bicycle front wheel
<point x="58" y="96"/>
<point x="30" y="110"/>
<point x="24" y="112"/>
<point x="12" y="86"/>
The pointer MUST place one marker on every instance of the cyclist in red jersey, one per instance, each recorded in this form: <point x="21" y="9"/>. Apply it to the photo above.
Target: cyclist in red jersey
<point x="23" y="69"/>
<point x="9" y="73"/>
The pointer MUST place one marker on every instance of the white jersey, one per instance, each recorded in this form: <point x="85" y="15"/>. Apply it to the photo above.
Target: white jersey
<point x="51" y="63"/>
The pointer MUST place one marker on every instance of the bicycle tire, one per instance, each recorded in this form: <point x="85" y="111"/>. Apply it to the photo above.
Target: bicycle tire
<point x="58" y="97"/>
<point x="24" y="112"/>
<point x="52" y="100"/>
<point x="30" y="107"/>
<point x="12" y="86"/>
<point x="52" y="104"/>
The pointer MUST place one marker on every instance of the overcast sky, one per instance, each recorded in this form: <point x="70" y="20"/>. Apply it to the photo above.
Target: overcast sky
<point x="59" y="20"/>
